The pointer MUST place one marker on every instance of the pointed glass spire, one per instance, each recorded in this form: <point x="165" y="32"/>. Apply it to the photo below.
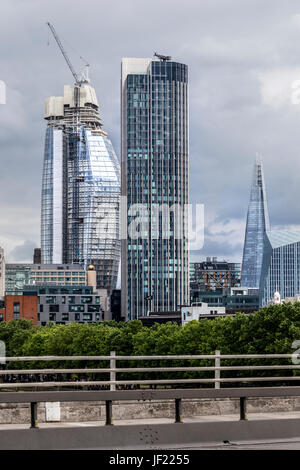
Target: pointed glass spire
<point x="257" y="224"/>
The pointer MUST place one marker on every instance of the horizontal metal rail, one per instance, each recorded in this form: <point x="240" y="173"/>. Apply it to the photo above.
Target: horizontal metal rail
<point x="147" y="358"/>
<point x="142" y="369"/>
<point x="113" y="370"/>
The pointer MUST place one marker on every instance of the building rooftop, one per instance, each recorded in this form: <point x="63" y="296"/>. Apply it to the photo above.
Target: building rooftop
<point x="279" y="238"/>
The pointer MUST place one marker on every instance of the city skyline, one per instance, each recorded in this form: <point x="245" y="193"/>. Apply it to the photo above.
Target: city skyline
<point x="239" y="95"/>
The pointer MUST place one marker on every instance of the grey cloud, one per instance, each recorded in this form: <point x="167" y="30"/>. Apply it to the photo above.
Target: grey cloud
<point x="22" y="253"/>
<point x="222" y="251"/>
<point x="228" y="45"/>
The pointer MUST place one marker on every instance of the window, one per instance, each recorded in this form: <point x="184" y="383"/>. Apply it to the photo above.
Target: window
<point x="87" y="317"/>
<point x="71" y="299"/>
<point x="65" y="317"/>
<point x="86" y="300"/>
<point x="52" y="317"/>
<point x="16" y="310"/>
<point x="76" y="308"/>
<point x="93" y="308"/>
<point x="53" y="308"/>
<point x="50" y="299"/>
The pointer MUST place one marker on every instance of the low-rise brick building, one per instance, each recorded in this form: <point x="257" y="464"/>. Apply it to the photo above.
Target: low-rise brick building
<point x="20" y="306"/>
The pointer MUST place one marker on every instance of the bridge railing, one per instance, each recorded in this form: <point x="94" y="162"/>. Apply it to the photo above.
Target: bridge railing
<point x="112" y="371"/>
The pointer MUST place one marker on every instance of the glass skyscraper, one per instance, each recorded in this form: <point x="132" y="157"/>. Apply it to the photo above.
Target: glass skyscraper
<point x="155" y="181"/>
<point x="257" y="225"/>
<point x="281" y="265"/>
<point x="81" y="187"/>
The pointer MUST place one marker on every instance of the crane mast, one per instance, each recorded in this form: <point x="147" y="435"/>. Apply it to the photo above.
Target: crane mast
<point x="75" y="149"/>
<point x="78" y="82"/>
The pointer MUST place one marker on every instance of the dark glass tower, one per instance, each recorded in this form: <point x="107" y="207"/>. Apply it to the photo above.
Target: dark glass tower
<point x="155" y="181"/>
<point x="257" y="225"/>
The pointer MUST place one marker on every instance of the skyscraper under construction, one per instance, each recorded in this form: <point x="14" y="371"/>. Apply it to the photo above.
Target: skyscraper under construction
<point x="81" y="186"/>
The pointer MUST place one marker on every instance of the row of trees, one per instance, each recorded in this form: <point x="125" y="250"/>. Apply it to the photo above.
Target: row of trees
<point x="270" y="330"/>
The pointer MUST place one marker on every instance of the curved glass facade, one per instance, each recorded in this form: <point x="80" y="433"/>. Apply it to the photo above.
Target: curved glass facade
<point x="81" y="190"/>
<point x="53" y="213"/>
<point x="93" y="199"/>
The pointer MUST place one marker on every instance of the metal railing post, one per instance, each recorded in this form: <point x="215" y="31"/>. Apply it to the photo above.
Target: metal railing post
<point x="178" y="409"/>
<point x="243" y="408"/>
<point x="217" y="372"/>
<point x="108" y="407"/>
<point x="112" y="374"/>
<point x="33" y="415"/>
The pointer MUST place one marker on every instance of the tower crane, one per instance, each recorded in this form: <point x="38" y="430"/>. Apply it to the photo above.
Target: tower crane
<point x="74" y="161"/>
<point x="78" y="81"/>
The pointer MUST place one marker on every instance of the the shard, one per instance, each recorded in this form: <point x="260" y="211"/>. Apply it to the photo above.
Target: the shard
<point x="256" y="227"/>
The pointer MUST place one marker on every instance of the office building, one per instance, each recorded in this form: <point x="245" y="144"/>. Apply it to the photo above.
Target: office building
<point x="81" y="187"/>
<point x="62" y="275"/>
<point x="17" y="275"/>
<point x="66" y="304"/>
<point x="281" y="265"/>
<point x="213" y="274"/>
<point x="184" y="315"/>
<point x="202" y="310"/>
<point x="155" y="181"/>
<point x="235" y="300"/>
<point x="256" y="227"/>
<point x="2" y="273"/>
<point x="20" y="275"/>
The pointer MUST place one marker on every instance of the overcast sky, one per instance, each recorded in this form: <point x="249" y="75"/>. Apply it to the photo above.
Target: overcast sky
<point x="243" y="57"/>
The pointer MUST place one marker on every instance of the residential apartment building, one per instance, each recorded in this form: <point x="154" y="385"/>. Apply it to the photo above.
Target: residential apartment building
<point x="155" y="184"/>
